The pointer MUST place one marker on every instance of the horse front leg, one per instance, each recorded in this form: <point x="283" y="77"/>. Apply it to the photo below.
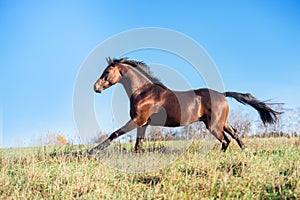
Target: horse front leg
<point x="139" y="138"/>
<point x="126" y="128"/>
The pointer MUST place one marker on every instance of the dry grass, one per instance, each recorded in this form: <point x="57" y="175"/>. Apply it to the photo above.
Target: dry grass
<point x="270" y="170"/>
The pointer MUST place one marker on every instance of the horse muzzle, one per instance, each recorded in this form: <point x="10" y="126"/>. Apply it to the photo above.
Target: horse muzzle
<point x="98" y="88"/>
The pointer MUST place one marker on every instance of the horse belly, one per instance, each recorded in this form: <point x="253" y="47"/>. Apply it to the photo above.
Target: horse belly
<point x="177" y="109"/>
<point x="164" y="118"/>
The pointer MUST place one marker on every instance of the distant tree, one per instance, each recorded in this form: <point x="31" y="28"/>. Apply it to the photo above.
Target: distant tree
<point x="156" y="133"/>
<point x="52" y="139"/>
<point x="198" y="130"/>
<point x="101" y="136"/>
<point x="291" y="121"/>
<point x="61" y="139"/>
<point x="241" y="122"/>
<point x="276" y="128"/>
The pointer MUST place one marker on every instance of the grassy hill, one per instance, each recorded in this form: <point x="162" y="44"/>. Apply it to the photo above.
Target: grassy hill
<point x="270" y="169"/>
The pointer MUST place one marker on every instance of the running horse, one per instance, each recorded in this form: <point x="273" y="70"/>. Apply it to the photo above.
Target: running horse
<point x="152" y="103"/>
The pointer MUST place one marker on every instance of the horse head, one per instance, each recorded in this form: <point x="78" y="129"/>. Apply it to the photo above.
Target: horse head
<point x="109" y="77"/>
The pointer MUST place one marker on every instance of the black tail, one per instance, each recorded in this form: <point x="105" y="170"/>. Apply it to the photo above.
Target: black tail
<point x="267" y="114"/>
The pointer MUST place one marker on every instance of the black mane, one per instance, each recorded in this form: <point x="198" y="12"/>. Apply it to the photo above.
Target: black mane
<point x="141" y="67"/>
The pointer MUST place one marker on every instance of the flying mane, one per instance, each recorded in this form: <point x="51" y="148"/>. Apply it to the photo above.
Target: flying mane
<point x="142" y="68"/>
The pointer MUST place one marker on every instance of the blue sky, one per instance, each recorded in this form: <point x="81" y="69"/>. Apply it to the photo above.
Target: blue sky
<point x="255" y="45"/>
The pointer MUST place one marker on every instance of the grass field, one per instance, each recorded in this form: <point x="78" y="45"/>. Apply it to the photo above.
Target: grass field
<point x="269" y="170"/>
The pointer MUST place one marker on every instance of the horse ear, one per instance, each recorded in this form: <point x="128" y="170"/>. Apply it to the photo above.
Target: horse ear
<point x="109" y="60"/>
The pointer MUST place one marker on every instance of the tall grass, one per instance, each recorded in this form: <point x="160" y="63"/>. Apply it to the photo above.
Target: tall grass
<point x="269" y="170"/>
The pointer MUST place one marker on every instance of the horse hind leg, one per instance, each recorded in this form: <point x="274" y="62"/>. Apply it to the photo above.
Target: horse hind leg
<point x="226" y="143"/>
<point x="220" y="135"/>
<point x="217" y="131"/>
<point x="233" y="133"/>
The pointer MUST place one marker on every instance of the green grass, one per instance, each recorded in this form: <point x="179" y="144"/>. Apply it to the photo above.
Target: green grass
<point x="269" y="170"/>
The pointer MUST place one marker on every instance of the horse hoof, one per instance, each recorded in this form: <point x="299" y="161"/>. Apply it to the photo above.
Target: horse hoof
<point x="137" y="151"/>
<point x="91" y="152"/>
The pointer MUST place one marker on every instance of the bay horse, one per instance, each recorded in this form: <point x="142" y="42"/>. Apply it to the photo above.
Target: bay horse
<point x="152" y="103"/>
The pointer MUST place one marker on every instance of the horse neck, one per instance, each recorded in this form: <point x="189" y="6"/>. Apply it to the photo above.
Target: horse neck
<point x="133" y="80"/>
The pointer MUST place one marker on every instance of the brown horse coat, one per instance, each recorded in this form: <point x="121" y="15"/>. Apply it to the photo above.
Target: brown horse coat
<point x="152" y="103"/>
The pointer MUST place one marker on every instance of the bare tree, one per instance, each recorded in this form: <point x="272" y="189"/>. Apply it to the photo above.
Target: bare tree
<point x="155" y="133"/>
<point x="241" y="122"/>
<point x="101" y="136"/>
<point x="52" y="139"/>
